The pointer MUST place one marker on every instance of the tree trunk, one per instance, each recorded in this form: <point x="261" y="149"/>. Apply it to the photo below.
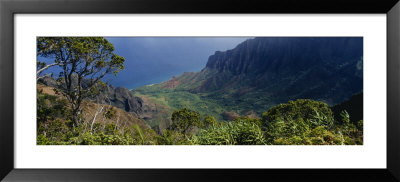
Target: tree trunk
<point x="76" y="111"/>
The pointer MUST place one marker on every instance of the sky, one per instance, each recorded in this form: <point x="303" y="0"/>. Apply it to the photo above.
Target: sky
<point x="150" y="60"/>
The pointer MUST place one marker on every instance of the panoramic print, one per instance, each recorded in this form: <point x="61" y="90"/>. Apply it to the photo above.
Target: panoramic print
<point x="199" y="91"/>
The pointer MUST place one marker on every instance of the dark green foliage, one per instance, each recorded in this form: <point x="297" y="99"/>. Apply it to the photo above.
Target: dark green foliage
<point x="170" y="137"/>
<point x="110" y="129"/>
<point x="185" y="120"/>
<point x="110" y="113"/>
<point x="353" y="133"/>
<point x="104" y="135"/>
<point x="143" y="136"/>
<point x="299" y="133"/>
<point x="50" y="107"/>
<point x="209" y="121"/>
<point x="314" y="113"/>
<point x="238" y="132"/>
<point x="246" y="119"/>
<point x="53" y="118"/>
<point x="360" y="125"/>
<point x="88" y="138"/>
<point x="307" y="122"/>
<point x="55" y="130"/>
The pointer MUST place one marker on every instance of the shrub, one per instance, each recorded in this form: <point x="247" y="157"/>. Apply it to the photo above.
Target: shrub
<point x="185" y="120"/>
<point x="42" y="140"/>
<point x="209" y="121"/>
<point x="301" y="122"/>
<point x="170" y="137"/>
<point x="314" y="113"/>
<point x="50" y="107"/>
<point x="142" y="136"/>
<point x="238" y="132"/>
<point x="110" y="113"/>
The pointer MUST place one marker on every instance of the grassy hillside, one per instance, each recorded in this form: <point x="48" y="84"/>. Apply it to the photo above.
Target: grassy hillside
<point x="159" y="103"/>
<point x="101" y="123"/>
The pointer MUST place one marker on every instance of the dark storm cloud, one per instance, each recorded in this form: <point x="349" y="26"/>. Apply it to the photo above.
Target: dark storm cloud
<point x="156" y="59"/>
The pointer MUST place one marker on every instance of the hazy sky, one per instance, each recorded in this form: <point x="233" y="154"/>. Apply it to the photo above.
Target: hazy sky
<point x="151" y="60"/>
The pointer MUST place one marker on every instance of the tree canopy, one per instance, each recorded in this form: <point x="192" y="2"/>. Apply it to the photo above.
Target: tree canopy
<point x="84" y="62"/>
<point x="184" y="120"/>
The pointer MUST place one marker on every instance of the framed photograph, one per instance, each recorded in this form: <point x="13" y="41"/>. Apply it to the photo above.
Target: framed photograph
<point x="130" y="90"/>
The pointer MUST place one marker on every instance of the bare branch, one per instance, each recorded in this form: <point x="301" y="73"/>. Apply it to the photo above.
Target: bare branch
<point x="45" y="68"/>
<point x="94" y="118"/>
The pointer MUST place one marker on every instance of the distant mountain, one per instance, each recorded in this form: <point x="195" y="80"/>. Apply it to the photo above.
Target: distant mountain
<point x="262" y="72"/>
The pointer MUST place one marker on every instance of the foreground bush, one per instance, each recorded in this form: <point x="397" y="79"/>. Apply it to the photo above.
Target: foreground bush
<point x="308" y="122"/>
<point x="315" y="113"/>
<point x="103" y="135"/>
<point x="238" y="132"/>
<point x="170" y="137"/>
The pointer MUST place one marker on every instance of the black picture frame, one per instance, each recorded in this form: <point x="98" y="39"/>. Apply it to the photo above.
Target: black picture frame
<point x="8" y="8"/>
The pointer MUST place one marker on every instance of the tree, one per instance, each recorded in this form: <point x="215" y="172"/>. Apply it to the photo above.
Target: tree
<point x="83" y="61"/>
<point x="209" y="121"/>
<point x="184" y="120"/>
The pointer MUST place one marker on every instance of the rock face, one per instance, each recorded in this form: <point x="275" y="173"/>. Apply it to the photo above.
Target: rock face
<point x="48" y="81"/>
<point x="122" y="98"/>
<point x="290" y="65"/>
<point x="118" y="97"/>
<point x="276" y="54"/>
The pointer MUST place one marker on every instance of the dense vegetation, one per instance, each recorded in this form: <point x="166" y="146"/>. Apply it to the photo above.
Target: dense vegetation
<point x="300" y="122"/>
